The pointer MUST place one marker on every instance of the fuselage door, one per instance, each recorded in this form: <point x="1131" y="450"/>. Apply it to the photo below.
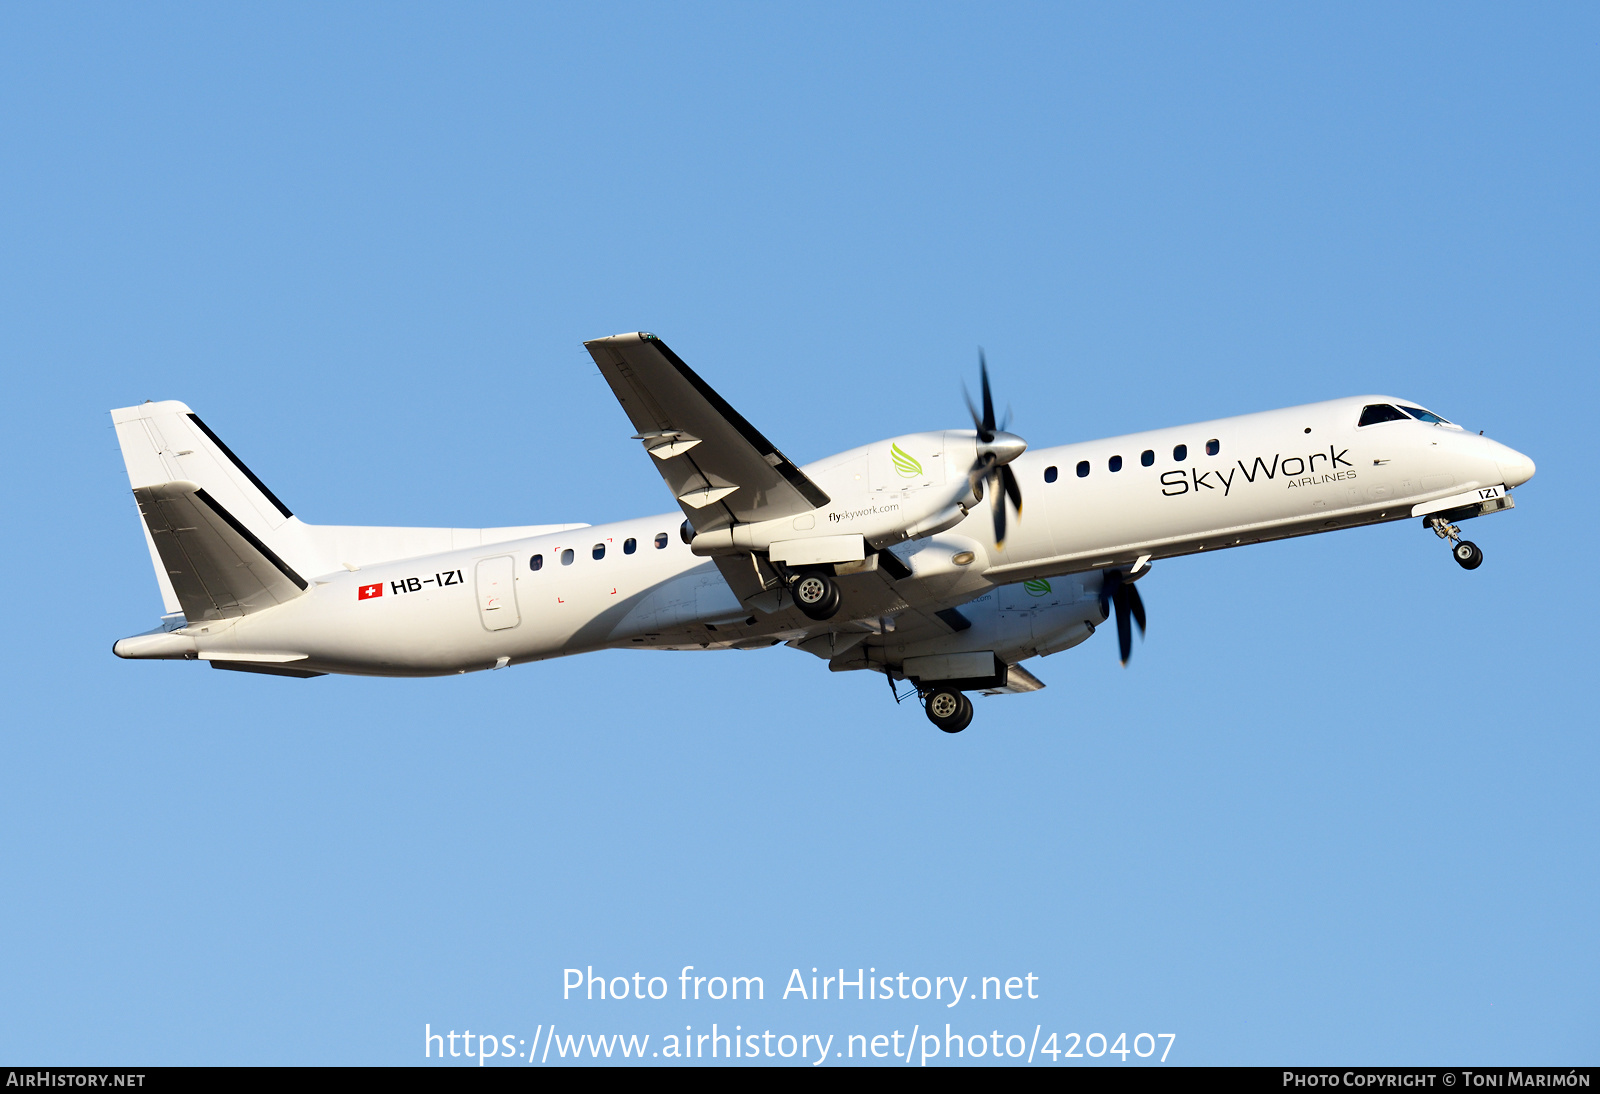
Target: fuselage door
<point x="497" y="593"/>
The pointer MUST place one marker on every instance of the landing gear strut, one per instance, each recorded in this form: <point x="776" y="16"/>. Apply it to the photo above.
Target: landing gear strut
<point x="947" y="708"/>
<point x="815" y="594"/>
<point x="1466" y="553"/>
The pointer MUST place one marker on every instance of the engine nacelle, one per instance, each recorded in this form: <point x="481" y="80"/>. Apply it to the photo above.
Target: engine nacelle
<point x="906" y="487"/>
<point x="1014" y="622"/>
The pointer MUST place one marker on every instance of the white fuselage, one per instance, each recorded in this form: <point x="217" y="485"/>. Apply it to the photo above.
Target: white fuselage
<point x="1240" y="480"/>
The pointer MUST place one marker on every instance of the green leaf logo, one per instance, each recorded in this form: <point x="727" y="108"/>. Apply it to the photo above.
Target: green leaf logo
<point x="1037" y="587"/>
<point x="905" y="464"/>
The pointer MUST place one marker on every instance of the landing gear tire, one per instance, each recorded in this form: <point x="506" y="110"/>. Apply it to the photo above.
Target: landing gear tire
<point x="816" y="595"/>
<point x="948" y="709"/>
<point x="1468" y="557"/>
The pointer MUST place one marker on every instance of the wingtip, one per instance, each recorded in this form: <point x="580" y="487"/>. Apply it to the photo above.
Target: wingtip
<point x="625" y="336"/>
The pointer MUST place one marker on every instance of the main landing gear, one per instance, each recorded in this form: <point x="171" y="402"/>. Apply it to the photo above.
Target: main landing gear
<point x="947" y="708"/>
<point x="817" y="595"/>
<point x="1468" y="555"/>
<point x="1465" y="552"/>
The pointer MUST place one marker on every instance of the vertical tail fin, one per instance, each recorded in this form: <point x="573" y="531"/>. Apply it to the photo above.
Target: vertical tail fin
<point x="223" y="544"/>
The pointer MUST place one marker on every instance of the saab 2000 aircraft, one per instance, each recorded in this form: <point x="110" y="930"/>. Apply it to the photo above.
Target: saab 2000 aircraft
<point x="877" y="558"/>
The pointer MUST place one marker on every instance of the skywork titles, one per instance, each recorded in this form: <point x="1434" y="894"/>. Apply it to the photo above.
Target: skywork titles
<point x="1297" y="471"/>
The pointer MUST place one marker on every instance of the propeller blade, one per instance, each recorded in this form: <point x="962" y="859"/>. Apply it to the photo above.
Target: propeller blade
<point x="1124" y="631"/>
<point x="999" y="506"/>
<point x="1008" y="480"/>
<point x="977" y="422"/>
<point x="1137" y="604"/>
<point x="988" y="398"/>
<point x="989" y="474"/>
<point x="975" y="477"/>
<point x="1119" y="594"/>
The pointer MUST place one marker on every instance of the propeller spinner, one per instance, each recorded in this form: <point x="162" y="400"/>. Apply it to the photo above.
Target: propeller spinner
<point x="996" y="450"/>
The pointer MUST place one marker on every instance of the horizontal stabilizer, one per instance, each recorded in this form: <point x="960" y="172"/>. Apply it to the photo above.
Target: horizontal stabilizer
<point x="218" y="568"/>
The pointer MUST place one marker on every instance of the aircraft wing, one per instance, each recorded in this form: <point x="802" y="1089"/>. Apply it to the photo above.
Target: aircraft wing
<point x="719" y="466"/>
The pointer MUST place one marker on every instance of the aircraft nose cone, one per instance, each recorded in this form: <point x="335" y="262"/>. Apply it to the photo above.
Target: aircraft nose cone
<point x="1515" y="468"/>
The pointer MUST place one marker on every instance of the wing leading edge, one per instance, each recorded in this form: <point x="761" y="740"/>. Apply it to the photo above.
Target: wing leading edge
<point x="722" y="470"/>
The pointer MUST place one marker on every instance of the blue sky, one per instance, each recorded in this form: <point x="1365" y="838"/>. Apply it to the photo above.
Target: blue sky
<point x="1340" y="806"/>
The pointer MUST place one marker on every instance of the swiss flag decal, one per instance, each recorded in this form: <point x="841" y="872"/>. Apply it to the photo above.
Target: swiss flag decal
<point x="367" y="592"/>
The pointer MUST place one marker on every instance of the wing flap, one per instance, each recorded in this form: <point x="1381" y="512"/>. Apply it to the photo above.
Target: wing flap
<point x="721" y="468"/>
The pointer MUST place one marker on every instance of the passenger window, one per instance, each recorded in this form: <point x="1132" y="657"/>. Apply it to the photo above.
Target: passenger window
<point x="1147" y="457"/>
<point x="599" y="551"/>
<point x="1380" y="412"/>
<point x="1083" y="469"/>
<point x="1050" y="474"/>
<point x="661" y="541"/>
<point x="1115" y="463"/>
<point x="1180" y="453"/>
<point x="566" y="557"/>
<point x="629" y="546"/>
<point x="536" y="562"/>
<point x="1213" y="446"/>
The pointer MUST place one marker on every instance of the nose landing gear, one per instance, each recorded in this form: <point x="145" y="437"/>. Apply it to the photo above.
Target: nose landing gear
<point x="948" y="709"/>
<point x="1465" y="552"/>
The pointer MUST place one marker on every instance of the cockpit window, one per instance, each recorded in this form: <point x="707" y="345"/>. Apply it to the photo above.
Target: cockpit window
<point x="1424" y="415"/>
<point x="1380" y="412"/>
